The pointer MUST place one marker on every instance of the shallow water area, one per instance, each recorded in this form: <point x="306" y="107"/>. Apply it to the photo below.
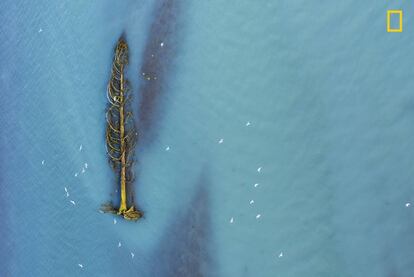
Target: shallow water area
<point x="276" y="140"/>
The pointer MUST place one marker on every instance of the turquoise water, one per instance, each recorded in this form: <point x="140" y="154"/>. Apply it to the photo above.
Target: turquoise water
<point x="310" y="100"/>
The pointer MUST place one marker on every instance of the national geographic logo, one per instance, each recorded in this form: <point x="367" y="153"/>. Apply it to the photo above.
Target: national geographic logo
<point x="394" y="16"/>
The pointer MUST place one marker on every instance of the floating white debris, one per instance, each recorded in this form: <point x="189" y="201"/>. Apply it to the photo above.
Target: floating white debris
<point x="251" y="202"/>
<point x="259" y="169"/>
<point x="119" y="244"/>
<point x="40" y="30"/>
<point x="80" y="147"/>
<point x="43" y="162"/>
<point x="114" y="220"/>
<point x="76" y="174"/>
<point x="80" y="265"/>
<point x="167" y="148"/>
<point x="231" y="220"/>
<point x="248" y="123"/>
<point x="256" y="185"/>
<point x="258" y="216"/>
<point x="67" y="193"/>
<point x="132" y="255"/>
<point x="281" y="255"/>
<point x="221" y="141"/>
<point x="73" y="202"/>
<point x="407" y="204"/>
<point x="162" y="44"/>
<point x="86" y="165"/>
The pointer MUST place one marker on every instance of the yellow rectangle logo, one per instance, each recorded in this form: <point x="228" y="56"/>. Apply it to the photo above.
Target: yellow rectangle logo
<point x="400" y="15"/>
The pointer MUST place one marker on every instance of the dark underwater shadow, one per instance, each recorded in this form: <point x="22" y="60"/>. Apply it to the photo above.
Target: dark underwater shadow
<point x="157" y="67"/>
<point x="185" y="247"/>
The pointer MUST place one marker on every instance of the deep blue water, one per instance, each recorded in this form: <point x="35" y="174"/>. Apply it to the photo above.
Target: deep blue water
<point x="276" y="141"/>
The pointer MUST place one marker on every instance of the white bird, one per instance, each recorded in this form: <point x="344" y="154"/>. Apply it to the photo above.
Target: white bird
<point x="40" y="30"/>
<point x="221" y="141"/>
<point x="248" y="123"/>
<point x="132" y="255"/>
<point x="162" y="44"/>
<point x="407" y="204"/>
<point x="80" y="147"/>
<point x="73" y="202"/>
<point x="83" y="170"/>
<point x="80" y="265"/>
<point x="281" y="255"/>
<point x="167" y="148"/>
<point x="256" y="185"/>
<point x="231" y="220"/>
<point x="76" y="174"/>
<point x="251" y="202"/>
<point x="43" y="162"/>
<point x="67" y="193"/>
<point x="119" y="244"/>
<point x="114" y="221"/>
<point x="86" y="165"/>
<point x="259" y="169"/>
<point x="258" y="216"/>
